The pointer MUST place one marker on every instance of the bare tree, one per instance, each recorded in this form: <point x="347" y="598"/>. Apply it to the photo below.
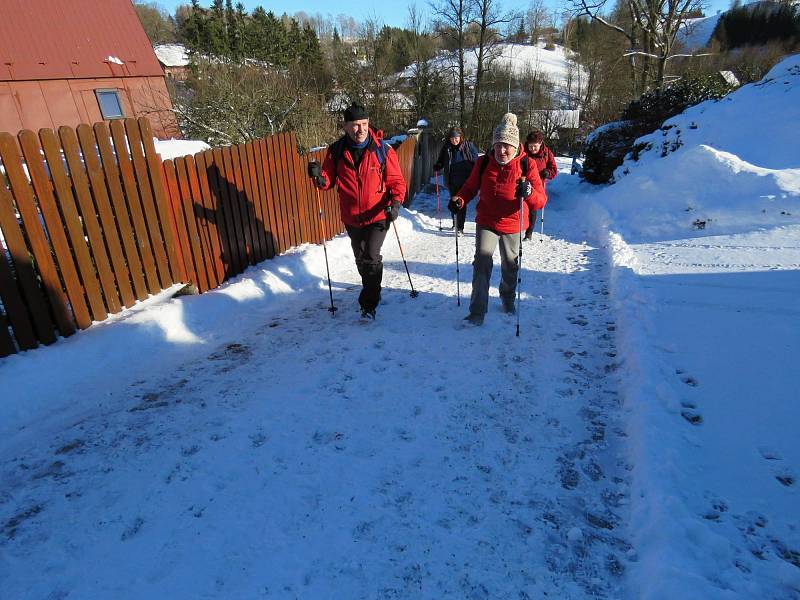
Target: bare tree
<point x="653" y="26"/>
<point x="454" y="17"/>
<point x="537" y="18"/>
<point x="488" y="17"/>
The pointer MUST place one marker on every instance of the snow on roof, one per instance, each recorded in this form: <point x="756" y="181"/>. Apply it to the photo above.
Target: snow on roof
<point x="172" y="55"/>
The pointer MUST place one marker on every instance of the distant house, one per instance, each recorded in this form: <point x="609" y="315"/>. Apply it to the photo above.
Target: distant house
<point x="66" y="62"/>
<point x="174" y="59"/>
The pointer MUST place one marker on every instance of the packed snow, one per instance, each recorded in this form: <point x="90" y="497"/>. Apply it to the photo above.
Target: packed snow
<point x="173" y="148"/>
<point x="638" y="440"/>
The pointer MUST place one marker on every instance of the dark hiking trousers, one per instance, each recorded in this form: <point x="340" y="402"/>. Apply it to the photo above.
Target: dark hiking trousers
<point x="531" y="222"/>
<point x="366" y="242"/>
<point x="460" y="217"/>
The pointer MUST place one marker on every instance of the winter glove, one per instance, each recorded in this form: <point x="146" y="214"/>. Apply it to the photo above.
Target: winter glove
<point x="437" y="167"/>
<point x="455" y="204"/>
<point x="315" y="172"/>
<point x="524" y="188"/>
<point x="392" y="211"/>
<point x="544" y="174"/>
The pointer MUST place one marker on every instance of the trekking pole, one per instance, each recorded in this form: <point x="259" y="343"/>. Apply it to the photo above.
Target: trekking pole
<point x="332" y="308"/>
<point x="458" y="277"/>
<point x="519" y="262"/>
<point x="414" y="293"/>
<point x="438" y="201"/>
<point x="542" y="217"/>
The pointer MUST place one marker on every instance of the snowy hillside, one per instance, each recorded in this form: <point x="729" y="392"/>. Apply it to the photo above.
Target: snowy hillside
<point x="696" y="33"/>
<point x="555" y="64"/>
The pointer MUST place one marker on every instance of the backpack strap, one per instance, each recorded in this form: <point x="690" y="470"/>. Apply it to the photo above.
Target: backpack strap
<point x="482" y="168"/>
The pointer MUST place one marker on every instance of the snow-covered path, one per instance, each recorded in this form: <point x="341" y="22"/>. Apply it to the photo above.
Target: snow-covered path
<point x="295" y="455"/>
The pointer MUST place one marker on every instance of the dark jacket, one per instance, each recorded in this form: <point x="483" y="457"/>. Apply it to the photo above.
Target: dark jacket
<point x="457" y="162"/>
<point x="364" y="192"/>
<point x="498" y="207"/>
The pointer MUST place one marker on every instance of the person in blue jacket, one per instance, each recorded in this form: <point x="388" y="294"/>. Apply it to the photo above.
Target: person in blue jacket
<point x="456" y="158"/>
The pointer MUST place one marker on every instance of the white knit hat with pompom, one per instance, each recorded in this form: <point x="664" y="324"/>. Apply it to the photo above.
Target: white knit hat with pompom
<point x="507" y="131"/>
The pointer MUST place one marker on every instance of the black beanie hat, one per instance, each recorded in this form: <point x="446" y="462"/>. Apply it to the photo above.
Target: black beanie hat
<point x="355" y="112"/>
<point x="455" y="131"/>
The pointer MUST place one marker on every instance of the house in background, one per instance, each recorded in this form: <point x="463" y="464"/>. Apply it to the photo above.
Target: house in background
<point x="66" y="62"/>
<point x="174" y="60"/>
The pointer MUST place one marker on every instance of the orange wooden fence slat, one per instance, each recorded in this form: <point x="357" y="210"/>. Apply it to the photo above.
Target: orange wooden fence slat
<point x="179" y="219"/>
<point x="135" y="208"/>
<point x="286" y="152"/>
<point x="25" y="324"/>
<point x="272" y="195"/>
<point x="191" y="224"/>
<point x="55" y="226"/>
<point x="226" y="204"/>
<point x="236" y="207"/>
<point x="80" y="183"/>
<point x="250" y="204"/>
<point x="72" y="220"/>
<point x="202" y="222"/>
<point x="216" y="216"/>
<point x="259" y="237"/>
<point x="162" y="206"/>
<point x="120" y="208"/>
<point x="279" y="173"/>
<point x="264" y="194"/>
<point x="40" y="246"/>
<point x="100" y="194"/>
<point x="242" y="201"/>
<point x="154" y="226"/>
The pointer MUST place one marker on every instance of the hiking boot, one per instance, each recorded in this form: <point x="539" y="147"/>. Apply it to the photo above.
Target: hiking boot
<point x="460" y="233"/>
<point x="527" y="237"/>
<point x="368" y="314"/>
<point x="474" y="319"/>
<point x="509" y="308"/>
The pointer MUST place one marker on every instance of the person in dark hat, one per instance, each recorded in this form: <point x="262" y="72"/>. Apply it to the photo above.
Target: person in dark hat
<point x="544" y="161"/>
<point x="366" y="173"/>
<point x="457" y="158"/>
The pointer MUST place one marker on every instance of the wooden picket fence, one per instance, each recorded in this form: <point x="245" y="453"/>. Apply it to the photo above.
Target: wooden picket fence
<point x="93" y="221"/>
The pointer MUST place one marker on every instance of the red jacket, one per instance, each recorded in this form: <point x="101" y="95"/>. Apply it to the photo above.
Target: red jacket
<point x="364" y="194"/>
<point x="498" y="207"/>
<point x="545" y="159"/>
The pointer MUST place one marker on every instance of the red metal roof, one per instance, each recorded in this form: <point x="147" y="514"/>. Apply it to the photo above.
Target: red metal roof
<point x="69" y="39"/>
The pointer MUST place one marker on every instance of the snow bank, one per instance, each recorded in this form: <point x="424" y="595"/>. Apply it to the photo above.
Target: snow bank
<point x="703" y="237"/>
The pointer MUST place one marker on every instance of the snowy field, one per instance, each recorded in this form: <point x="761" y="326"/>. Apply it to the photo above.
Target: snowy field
<point x="638" y="440"/>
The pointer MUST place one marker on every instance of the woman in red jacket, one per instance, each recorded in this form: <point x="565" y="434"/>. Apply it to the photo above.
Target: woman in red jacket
<point x="371" y="189"/>
<point x="544" y="161"/>
<point x="501" y="182"/>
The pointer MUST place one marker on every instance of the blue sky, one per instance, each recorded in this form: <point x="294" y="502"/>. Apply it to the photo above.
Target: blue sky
<point x="391" y="13"/>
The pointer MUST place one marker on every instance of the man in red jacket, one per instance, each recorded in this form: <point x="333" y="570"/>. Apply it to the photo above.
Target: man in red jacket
<point x="371" y="189"/>
<point x="501" y="182"/>
<point x="544" y="161"/>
